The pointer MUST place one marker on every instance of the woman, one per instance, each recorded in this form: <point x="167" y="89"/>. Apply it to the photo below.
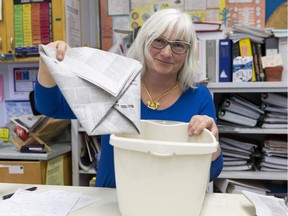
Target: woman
<point x="166" y="46"/>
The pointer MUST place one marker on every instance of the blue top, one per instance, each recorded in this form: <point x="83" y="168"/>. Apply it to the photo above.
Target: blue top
<point x="50" y="102"/>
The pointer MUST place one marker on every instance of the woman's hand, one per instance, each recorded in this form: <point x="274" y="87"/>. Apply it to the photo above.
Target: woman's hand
<point x="61" y="47"/>
<point x="44" y="77"/>
<point x="197" y="125"/>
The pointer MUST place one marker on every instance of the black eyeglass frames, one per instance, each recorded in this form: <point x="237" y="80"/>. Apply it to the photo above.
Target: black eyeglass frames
<point x="177" y="47"/>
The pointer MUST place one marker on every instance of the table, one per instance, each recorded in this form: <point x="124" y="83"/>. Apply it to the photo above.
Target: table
<point x="215" y="204"/>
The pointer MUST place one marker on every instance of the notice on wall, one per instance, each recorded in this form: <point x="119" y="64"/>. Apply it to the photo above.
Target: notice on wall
<point x="55" y="171"/>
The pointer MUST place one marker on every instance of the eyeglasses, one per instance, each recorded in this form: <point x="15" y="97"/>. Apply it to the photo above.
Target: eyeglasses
<point x="177" y="47"/>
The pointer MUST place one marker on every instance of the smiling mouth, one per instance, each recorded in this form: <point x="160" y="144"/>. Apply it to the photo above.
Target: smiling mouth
<point x="164" y="62"/>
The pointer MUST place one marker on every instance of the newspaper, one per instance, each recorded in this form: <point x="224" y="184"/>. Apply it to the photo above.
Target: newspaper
<point x="267" y="205"/>
<point x="102" y="88"/>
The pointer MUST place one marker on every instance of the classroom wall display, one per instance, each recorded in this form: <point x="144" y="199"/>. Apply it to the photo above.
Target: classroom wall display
<point x="247" y="12"/>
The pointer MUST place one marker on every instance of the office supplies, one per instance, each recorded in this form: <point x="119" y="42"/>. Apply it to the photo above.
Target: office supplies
<point x="271" y="46"/>
<point x="256" y="61"/>
<point x="242" y="69"/>
<point x="207" y="26"/>
<point x="259" y="56"/>
<point x="236" y="118"/>
<point x="212" y="59"/>
<point x="236" y="107"/>
<point x="246" y="50"/>
<point x="225" y="60"/>
<point x="11" y="194"/>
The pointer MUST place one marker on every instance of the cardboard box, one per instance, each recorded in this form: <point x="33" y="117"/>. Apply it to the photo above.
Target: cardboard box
<point x="35" y="172"/>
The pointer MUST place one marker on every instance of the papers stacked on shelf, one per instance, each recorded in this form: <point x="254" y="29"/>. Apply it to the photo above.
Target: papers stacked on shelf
<point x="237" y="186"/>
<point x="274" y="154"/>
<point x="237" y="155"/>
<point x="257" y="35"/>
<point x="239" y="111"/>
<point x="275" y="107"/>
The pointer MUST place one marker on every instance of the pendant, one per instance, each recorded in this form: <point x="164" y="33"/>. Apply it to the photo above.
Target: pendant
<point x="153" y="105"/>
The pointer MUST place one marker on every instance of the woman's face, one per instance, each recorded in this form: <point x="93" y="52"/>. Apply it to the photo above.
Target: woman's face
<point x="164" y="60"/>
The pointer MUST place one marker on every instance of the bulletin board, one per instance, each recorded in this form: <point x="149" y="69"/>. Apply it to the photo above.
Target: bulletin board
<point x="249" y="12"/>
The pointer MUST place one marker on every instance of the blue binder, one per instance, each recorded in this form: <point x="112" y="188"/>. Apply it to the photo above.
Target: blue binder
<point x="225" y="60"/>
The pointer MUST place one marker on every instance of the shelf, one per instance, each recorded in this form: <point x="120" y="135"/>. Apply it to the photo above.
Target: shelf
<point x="90" y="171"/>
<point x="254" y="175"/>
<point x="8" y="151"/>
<point x="250" y="87"/>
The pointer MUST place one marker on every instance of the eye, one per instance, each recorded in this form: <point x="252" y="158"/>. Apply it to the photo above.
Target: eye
<point x="179" y="45"/>
<point x="159" y="42"/>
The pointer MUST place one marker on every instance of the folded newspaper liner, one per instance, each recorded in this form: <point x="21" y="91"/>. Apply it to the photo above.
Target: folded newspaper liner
<point x="102" y="88"/>
<point x="42" y="134"/>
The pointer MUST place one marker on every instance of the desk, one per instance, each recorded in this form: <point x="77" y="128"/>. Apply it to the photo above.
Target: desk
<point x="215" y="204"/>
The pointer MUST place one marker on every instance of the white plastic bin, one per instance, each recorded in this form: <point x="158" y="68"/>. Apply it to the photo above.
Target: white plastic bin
<point x="162" y="171"/>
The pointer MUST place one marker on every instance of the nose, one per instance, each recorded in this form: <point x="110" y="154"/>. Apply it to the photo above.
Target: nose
<point x="167" y="50"/>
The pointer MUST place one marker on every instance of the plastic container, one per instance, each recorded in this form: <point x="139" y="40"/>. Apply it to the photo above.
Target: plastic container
<point x="162" y="171"/>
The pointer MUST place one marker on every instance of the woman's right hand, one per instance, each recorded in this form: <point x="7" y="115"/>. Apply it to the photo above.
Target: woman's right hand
<point x="44" y="77"/>
<point x="61" y="47"/>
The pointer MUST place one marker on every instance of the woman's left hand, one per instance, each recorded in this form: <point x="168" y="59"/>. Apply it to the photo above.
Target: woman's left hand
<point x="197" y="125"/>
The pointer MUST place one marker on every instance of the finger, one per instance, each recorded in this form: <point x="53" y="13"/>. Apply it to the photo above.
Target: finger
<point x="61" y="49"/>
<point x="214" y="130"/>
<point x="198" y="123"/>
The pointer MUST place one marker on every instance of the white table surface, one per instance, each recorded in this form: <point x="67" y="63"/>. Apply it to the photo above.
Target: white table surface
<point x="215" y="204"/>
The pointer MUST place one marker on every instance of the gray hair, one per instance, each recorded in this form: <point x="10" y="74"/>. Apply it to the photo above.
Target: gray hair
<point x="170" y="21"/>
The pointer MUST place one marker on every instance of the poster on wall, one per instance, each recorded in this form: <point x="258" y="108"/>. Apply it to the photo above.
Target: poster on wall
<point x="21" y="80"/>
<point x="247" y="12"/>
<point x="142" y="10"/>
<point x="118" y="7"/>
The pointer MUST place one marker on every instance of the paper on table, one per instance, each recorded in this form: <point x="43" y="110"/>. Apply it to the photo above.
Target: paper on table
<point x="52" y="202"/>
<point x="102" y="88"/>
<point x="267" y="205"/>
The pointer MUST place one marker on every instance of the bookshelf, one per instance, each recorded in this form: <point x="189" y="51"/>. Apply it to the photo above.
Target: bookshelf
<point x="80" y="177"/>
<point x="252" y="90"/>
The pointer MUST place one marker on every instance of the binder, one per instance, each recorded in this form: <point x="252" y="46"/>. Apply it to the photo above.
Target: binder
<point x="275" y="99"/>
<point x="233" y="106"/>
<point x="256" y="61"/>
<point x="201" y="44"/>
<point x="235" y="155"/>
<point x="225" y="60"/>
<point x="259" y="56"/>
<point x="246" y="50"/>
<point x="247" y="166"/>
<point x="238" y="144"/>
<point x="235" y="50"/>
<point x="211" y="62"/>
<point x="270" y="108"/>
<point x="247" y="103"/>
<point x="236" y="118"/>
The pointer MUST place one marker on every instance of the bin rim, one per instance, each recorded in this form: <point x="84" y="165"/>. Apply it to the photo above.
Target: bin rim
<point x="165" y="147"/>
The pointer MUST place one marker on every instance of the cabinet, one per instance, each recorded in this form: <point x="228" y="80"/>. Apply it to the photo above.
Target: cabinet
<point x="18" y="26"/>
<point x="253" y="91"/>
<point x="35" y="168"/>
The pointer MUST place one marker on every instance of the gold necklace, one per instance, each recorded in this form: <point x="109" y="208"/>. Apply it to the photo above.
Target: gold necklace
<point x="155" y="104"/>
